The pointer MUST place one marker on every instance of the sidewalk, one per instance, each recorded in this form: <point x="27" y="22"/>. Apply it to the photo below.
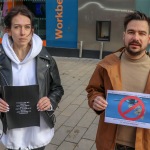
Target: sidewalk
<point x="76" y="123"/>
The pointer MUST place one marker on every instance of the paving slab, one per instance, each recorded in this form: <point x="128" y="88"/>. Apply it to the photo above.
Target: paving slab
<point x="75" y="74"/>
<point x="76" y="117"/>
<point x="87" y="120"/>
<point x="67" y="146"/>
<point x="69" y="110"/>
<point x="76" y="134"/>
<point x="61" y="134"/>
<point x="84" y="144"/>
<point x="91" y="132"/>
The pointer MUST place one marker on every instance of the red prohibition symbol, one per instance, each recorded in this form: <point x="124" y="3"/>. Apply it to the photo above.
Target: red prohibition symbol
<point x="137" y="104"/>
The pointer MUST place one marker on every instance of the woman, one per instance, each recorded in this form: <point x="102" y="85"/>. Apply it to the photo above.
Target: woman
<point x="25" y="62"/>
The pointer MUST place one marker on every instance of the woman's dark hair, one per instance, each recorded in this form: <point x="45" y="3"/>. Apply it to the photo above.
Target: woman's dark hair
<point x="23" y="10"/>
<point x="136" y="15"/>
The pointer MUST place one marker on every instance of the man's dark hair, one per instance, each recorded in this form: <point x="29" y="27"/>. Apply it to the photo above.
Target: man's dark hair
<point x="136" y="15"/>
<point x="23" y="10"/>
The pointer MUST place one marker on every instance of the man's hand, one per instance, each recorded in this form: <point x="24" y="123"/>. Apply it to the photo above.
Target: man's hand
<point x="44" y="104"/>
<point x="99" y="103"/>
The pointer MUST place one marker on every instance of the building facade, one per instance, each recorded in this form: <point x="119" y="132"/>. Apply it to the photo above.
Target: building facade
<point x="78" y="28"/>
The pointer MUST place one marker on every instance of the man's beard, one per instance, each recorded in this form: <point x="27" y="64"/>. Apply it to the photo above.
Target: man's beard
<point x="131" y="52"/>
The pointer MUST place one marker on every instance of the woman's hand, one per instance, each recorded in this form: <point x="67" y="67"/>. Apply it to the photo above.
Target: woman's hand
<point x="44" y="104"/>
<point x="99" y="103"/>
<point x="4" y="107"/>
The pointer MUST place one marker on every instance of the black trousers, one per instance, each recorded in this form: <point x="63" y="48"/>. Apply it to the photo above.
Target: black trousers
<point x="123" y="147"/>
<point x="41" y="148"/>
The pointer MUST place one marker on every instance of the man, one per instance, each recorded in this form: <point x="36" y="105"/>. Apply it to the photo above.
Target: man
<point x="126" y="70"/>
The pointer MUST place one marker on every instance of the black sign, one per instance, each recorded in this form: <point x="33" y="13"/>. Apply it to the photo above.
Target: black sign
<point x="22" y="101"/>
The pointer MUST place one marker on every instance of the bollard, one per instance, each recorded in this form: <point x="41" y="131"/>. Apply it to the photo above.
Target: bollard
<point x="101" y="50"/>
<point x="81" y="48"/>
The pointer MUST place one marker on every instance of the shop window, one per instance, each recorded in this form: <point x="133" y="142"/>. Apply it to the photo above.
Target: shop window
<point x="103" y="30"/>
<point x="38" y="9"/>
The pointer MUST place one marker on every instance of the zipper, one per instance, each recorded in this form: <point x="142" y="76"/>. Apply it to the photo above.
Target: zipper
<point x="3" y="93"/>
<point x="46" y="81"/>
<point x="4" y="79"/>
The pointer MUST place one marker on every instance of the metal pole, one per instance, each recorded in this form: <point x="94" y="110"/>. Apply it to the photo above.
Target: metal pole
<point x="101" y="50"/>
<point x="81" y="48"/>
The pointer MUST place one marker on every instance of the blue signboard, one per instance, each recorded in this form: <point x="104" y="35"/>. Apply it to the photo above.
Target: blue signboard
<point x="61" y="23"/>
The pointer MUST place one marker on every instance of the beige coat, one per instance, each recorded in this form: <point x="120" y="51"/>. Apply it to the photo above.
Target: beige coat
<point x="107" y="75"/>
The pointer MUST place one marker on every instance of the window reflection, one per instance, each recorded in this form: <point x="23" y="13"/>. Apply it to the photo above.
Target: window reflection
<point x="103" y="30"/>
<point x="37" y="7"/>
